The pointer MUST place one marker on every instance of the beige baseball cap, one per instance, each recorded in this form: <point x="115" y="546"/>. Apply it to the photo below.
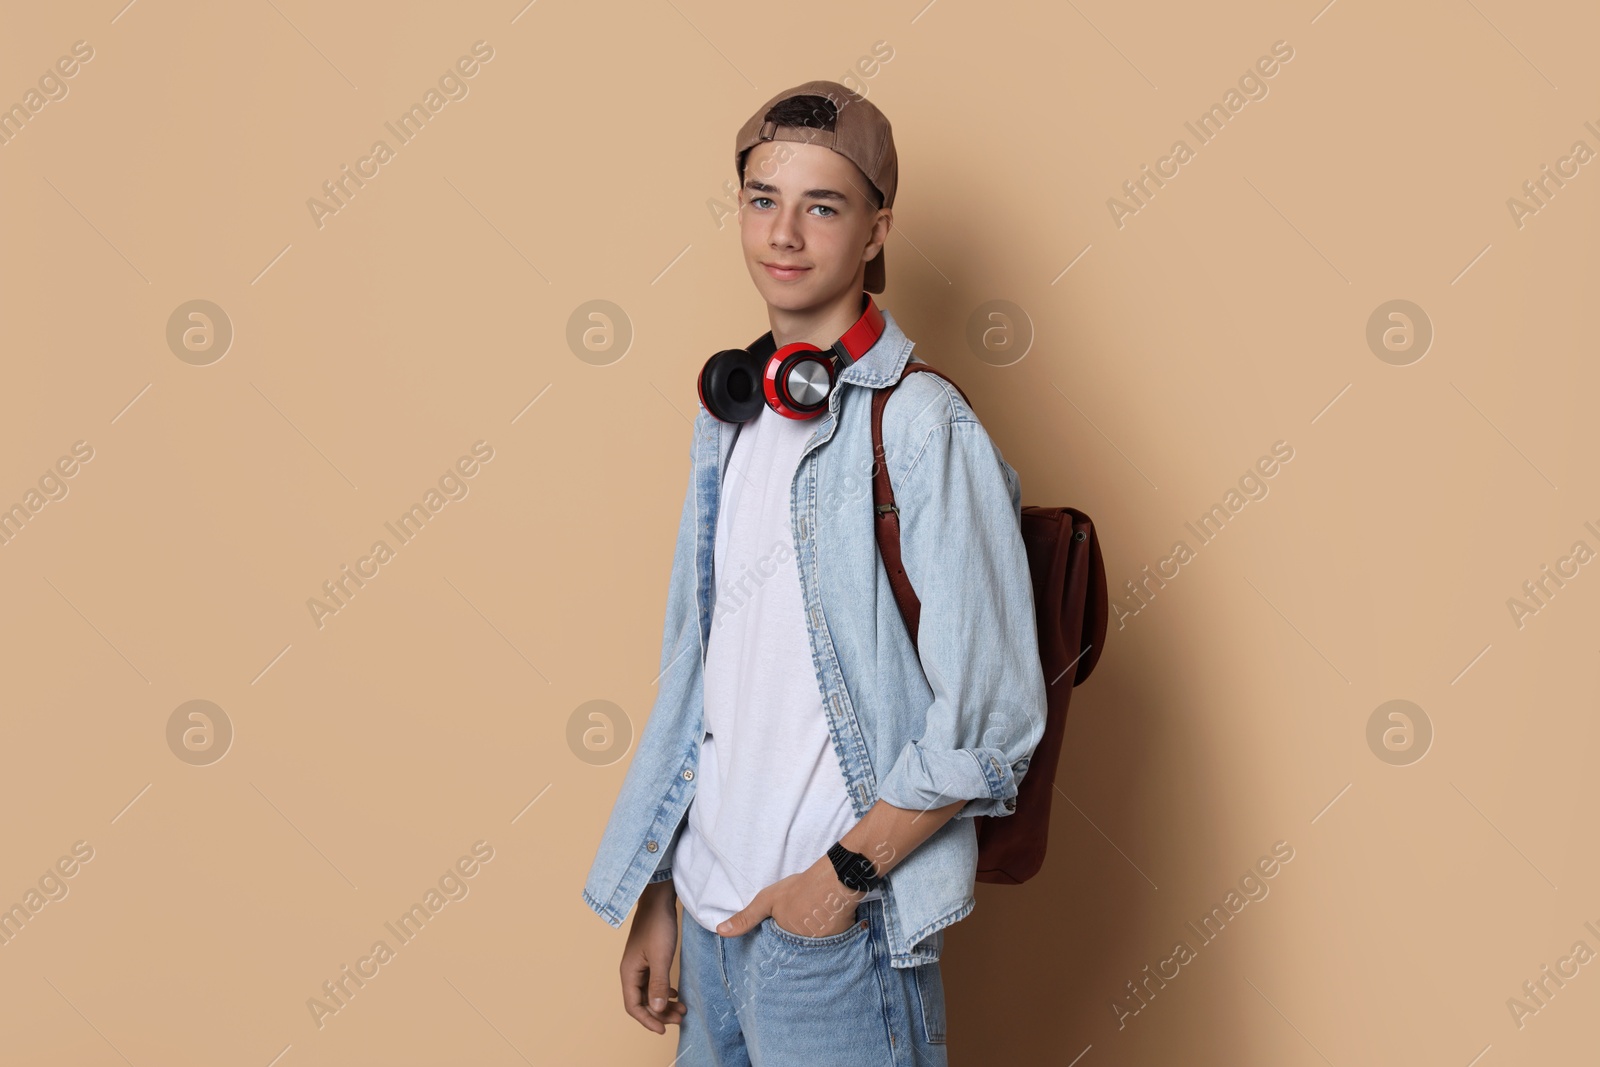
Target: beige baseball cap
<point x="861" y="134"/>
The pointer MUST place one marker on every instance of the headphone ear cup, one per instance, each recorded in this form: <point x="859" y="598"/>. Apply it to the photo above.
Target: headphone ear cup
<point x="730" y="386"/>
<point x="799" y="365"/>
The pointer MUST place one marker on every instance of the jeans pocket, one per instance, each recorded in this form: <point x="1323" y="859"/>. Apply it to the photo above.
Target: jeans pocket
<point x="930" y="1000"/>
<point x="856" y="931"/>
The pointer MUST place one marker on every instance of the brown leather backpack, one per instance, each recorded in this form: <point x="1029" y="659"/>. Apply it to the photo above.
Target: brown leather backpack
<point x="1071" y="609"/>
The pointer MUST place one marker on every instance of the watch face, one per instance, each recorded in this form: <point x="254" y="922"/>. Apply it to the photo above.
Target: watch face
<point x="855" y="870"/>
<point x="861" y="871"/>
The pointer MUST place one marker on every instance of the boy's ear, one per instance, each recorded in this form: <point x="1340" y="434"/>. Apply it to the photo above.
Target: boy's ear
<point x="884" y="219"/>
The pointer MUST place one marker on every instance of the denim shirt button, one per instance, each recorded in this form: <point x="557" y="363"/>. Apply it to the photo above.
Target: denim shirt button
<point x="650" y="846"/>
<point x="802" y="529"/>
<point x="1011" y="804"/>
<point x="688" y="776"/>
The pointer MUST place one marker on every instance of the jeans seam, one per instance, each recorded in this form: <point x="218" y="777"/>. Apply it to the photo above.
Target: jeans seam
<point x="880" y="961"/>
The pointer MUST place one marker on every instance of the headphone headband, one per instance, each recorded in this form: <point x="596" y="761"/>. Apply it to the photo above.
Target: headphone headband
<point x="863" y="335"/>
<point x="854" y="344"/>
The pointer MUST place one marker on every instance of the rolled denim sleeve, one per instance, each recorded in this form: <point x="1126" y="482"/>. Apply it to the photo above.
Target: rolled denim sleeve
<point x="961" y="546"/>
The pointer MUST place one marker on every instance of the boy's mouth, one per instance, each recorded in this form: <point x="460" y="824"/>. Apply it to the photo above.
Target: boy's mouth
<point x="784" y="272"/>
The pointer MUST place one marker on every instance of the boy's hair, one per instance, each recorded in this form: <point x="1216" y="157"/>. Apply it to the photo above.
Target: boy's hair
<point x="811" y="112"/>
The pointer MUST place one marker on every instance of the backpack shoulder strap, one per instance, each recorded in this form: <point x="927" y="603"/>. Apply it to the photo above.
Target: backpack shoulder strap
<point x="887" y="519"/>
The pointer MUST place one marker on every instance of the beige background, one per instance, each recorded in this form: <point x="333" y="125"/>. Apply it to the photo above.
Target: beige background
<point x="432" y="311"/>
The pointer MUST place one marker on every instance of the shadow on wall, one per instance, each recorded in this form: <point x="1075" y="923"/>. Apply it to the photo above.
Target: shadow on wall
<point x="1032" y="974"/>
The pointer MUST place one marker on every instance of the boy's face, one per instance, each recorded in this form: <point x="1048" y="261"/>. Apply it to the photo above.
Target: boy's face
<point x="806" y="206"/>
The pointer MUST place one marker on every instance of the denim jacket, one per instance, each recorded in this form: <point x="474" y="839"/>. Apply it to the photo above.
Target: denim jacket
<point x="957" y="721"/>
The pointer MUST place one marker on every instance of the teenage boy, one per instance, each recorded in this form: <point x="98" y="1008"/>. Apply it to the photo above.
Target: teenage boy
<point x="806" y="780"/>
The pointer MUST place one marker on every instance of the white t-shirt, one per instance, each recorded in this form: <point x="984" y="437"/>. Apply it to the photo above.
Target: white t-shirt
<point x="770" y="796"/>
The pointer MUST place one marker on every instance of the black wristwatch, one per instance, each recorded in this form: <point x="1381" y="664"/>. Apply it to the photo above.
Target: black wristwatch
<point x="854" y="870"/>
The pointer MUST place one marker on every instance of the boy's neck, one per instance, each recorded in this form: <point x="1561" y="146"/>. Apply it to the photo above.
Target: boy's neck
<point x="821" y="325"/>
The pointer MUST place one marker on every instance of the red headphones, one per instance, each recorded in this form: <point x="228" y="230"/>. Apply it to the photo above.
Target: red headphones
<point x="795" y="380"/>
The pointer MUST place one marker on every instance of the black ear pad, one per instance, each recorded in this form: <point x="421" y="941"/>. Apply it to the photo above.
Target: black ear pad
<point x="730" y="385"/>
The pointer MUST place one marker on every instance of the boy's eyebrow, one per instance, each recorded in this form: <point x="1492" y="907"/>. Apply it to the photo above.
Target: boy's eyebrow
<point x="815" y="194"/>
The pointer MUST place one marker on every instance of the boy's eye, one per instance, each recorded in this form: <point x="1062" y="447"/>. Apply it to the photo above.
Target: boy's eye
<point x="761" y="203"/>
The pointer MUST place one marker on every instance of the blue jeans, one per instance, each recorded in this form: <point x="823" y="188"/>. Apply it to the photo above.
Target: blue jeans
<point x="772" y="998"/>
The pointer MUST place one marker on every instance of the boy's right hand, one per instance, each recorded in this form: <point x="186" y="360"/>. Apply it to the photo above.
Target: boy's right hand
<point x="647" y="960"/>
